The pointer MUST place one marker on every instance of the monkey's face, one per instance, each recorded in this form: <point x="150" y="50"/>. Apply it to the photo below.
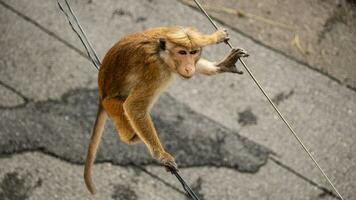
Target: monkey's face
<point x="181" y="60"/>
<point x="185" y="60"/>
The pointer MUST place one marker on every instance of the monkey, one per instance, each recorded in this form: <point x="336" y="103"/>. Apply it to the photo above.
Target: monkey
<point x="133" y="74"/>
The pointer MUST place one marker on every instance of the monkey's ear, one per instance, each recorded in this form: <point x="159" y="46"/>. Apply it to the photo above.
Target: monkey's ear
<point x="162" y="44"/>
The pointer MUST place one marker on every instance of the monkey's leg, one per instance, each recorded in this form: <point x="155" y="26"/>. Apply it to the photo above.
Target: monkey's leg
<point x="136" y="108"/>
<point x="115" y="109"/>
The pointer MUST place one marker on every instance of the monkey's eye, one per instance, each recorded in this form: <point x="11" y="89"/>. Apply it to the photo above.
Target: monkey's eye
<point x="182" y="52"/>
<point x="194" y="52"/>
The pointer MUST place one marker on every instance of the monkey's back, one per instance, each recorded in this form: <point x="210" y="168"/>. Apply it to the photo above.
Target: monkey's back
<point x="132" y="53"/>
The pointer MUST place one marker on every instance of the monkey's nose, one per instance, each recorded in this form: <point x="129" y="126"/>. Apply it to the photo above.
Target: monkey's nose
<point x="188" y="70"/>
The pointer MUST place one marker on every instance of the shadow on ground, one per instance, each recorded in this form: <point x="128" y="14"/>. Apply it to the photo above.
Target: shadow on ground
<point x="62" y="128"/>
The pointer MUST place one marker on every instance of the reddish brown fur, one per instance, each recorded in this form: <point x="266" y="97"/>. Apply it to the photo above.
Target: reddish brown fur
<point x="132" y="75"/>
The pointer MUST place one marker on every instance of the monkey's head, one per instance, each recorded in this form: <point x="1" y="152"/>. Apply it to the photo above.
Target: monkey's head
<point x="180" y="53"/>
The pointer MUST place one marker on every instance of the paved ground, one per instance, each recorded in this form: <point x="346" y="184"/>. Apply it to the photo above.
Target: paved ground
<point x="226" y="138"/>
<point x="317" y="33"/>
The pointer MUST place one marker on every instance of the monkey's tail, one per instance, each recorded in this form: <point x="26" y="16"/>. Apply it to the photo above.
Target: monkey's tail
<point x="93" y="147"/>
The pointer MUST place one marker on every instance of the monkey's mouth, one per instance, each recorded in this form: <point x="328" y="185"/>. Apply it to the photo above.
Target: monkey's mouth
<point x="185" y="77"/>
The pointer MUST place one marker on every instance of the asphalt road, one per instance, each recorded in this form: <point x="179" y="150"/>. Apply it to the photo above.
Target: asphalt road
<point x="226" y="138"/>
<point x="317" y="33"/>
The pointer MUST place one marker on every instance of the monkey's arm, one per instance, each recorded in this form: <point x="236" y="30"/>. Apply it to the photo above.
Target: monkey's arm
<point x="207" y="67"/>
<point x="215" y="38"/>
<point x="226" y="65"/>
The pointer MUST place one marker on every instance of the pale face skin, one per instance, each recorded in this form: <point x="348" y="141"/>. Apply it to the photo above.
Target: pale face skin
<point x="185" y="60"/>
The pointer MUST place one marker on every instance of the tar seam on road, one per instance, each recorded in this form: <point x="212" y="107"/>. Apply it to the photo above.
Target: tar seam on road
<point x="25" y="99"/>
<point x="26" y="18"/>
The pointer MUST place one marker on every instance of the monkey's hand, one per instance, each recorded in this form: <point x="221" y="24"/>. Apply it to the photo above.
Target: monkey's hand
<point x="221" y="35"/>
<point x="228" y="63"/>
<point x="168" y="161"/>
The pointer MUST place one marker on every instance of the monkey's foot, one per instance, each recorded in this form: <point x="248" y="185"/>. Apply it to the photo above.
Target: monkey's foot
<point x="228" y="63"/>
<point x="168" y="162"/>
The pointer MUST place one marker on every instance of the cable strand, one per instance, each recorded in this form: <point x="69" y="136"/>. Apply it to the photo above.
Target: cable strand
<point x="84" y="40"/>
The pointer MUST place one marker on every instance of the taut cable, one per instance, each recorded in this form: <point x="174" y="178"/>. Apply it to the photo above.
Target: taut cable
<point x="72" y="20"/>
<point x="274" y="106"/>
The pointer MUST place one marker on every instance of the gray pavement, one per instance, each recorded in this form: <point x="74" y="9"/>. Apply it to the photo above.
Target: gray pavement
<point x="225" y="136"/>
<point x="36" y="176"/>
<point x="325" y="30"/>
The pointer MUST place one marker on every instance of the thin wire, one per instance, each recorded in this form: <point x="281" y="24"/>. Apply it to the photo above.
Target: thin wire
<point x="81" y="30"/>
<point x="211" y="20"/>
<point x="88" y="47"/>
<point x="95" y="60"/>
<point x="274" y="106"/>
<point x="185" y="186"/>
